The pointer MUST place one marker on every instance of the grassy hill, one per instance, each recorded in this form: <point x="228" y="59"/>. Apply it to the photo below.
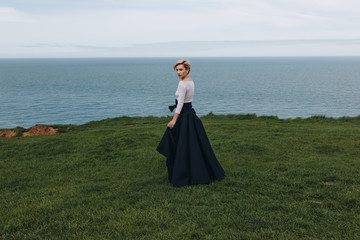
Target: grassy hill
<point x="285" y="179"/>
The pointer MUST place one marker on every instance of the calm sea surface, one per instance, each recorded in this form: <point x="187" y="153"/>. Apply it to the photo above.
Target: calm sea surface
<point x="76" y="91"/>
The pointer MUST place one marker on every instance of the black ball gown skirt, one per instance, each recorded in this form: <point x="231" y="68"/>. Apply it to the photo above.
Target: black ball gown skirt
<point x="190" y="158"/>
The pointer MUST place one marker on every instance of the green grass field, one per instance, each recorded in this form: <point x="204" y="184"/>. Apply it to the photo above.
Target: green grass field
<point x="285" y="179"/>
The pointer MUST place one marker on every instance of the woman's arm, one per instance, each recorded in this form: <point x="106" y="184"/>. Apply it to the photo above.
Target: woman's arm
<point x="181" y="99"/>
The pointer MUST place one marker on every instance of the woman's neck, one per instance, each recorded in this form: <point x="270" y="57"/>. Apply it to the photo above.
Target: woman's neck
<point x="187" y="78"/>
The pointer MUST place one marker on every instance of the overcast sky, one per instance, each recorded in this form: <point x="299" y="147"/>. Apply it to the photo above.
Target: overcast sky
<point x="186" y="28"/>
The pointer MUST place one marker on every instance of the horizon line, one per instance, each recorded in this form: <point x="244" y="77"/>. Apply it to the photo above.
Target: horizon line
<point x="294" y="56"/>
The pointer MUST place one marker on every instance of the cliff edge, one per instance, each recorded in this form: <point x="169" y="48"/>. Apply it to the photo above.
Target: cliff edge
<point x="36" y="130"/>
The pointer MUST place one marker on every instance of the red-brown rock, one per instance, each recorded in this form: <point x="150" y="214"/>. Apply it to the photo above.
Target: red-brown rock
<point x="7" y="133"/>
<point x="40" y="130"/>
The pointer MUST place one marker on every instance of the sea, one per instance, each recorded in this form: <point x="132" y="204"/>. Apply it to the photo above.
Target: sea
<point x="76" y="91"/>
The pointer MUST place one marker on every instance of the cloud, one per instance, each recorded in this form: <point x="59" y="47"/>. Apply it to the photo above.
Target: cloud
<point x="128" y="27"/>
<point x="303" y="47"/>
<point x="69" y="46"/>
<point x="212" y="44"/>
<point x="8" y="15"/>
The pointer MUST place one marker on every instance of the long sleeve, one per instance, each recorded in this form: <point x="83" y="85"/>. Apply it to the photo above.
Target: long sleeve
<point x="181" y="91"/>
<point x="184" y="94"/>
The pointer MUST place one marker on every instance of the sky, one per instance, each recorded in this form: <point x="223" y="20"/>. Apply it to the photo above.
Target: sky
<point x="186" y="28"/>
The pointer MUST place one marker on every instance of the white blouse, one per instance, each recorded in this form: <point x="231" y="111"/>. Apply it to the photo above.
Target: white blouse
<point x="184" y="94"/>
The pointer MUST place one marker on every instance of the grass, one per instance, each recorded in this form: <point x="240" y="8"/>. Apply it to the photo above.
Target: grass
<point x="285" y="179"/>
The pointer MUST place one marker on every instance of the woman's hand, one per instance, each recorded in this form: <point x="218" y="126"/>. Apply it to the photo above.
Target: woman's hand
<point x="171" y="123"/>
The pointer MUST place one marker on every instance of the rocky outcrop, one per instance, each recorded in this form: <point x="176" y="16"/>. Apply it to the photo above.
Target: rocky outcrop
<point x="40" y="130"/>
<point x="36" y="130"/>
<point x="7" y="133"/>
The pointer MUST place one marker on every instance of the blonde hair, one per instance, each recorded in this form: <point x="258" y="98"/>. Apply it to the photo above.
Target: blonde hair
<point x="186" y="64"/>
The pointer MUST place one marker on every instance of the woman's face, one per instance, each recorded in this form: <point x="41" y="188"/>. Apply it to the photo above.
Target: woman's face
<point x="181" y="71"/>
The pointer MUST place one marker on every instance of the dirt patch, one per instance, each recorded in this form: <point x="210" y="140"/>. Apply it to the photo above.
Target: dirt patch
<point x="329" y="183"/>
<point x="36" y="130"/>
<point x="40" y="130"/>
<point x="316" y="201"/>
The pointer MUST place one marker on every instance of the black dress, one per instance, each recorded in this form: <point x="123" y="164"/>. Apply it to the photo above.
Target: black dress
<point x="190" y="158"/>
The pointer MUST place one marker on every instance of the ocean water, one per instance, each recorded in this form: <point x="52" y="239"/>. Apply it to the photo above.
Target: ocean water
<point x="76" y="91"/>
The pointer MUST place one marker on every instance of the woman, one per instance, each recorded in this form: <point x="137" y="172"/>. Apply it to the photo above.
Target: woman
<point x="190" y="158"/>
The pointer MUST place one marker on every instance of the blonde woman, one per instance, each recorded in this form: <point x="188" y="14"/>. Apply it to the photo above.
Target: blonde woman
<point x="190" y="158"/>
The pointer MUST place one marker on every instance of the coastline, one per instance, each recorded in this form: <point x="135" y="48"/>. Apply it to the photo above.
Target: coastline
<point x="50" y="129"/>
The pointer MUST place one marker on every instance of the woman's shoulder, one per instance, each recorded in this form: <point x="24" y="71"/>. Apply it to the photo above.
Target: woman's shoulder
<point x="186" y="84"/>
